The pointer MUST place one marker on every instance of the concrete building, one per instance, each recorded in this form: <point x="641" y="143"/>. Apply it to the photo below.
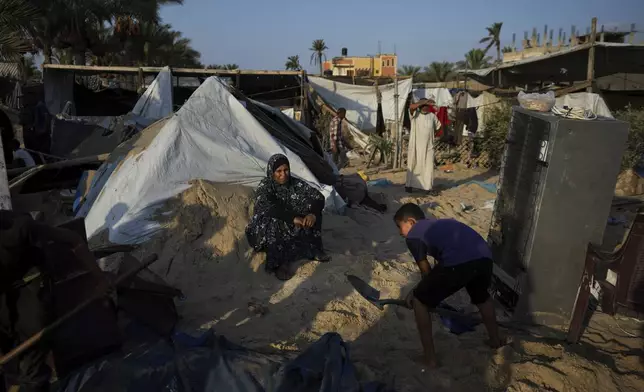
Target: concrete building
<point x="384" y="65"/>
<point x="538" y="45"/>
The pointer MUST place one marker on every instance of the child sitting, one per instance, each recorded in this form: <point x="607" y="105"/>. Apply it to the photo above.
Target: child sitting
<point x="463" y="259"/>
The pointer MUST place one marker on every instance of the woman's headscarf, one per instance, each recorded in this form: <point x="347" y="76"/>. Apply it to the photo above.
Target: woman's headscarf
<point x="295" y="194"/>
<point x="275" y="162"/>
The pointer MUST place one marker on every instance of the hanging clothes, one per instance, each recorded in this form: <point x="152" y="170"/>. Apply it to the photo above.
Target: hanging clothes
<point x="471" y="120"/>
<point x="442" y="115"/>
<point x="420" y="155"/>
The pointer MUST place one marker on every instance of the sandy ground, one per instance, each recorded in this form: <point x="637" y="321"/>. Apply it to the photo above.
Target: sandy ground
<point x="205" y="254"/>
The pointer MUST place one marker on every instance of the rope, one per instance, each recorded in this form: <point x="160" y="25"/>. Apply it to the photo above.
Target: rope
<point x="574" y="113"/>
<point x="273" y="91"/>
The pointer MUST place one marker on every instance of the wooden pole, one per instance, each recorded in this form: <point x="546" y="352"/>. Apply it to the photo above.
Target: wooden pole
<point x="5" y="195"/>
<point x="398" y="151"/>
<point x="590" y="74"/>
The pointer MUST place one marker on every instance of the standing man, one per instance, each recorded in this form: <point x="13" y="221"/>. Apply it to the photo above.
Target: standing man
<point x="420" y="154"/>
<point x="336" y="138"/>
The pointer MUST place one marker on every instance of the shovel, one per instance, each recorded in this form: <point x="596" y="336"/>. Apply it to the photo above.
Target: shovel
<point x="372" y="295"/>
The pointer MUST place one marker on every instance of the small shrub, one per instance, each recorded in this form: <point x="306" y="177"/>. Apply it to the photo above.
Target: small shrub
<point x="635" y="144"/>
<point x="497" y="123"/>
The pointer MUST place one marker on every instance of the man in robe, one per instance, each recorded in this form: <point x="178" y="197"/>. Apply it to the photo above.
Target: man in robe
<point x="420" y="154"/>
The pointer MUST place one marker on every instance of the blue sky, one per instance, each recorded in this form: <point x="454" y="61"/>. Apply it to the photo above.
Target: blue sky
<point x="261" y="34"/>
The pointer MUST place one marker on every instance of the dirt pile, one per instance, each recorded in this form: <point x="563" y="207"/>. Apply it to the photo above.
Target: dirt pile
<point x="203" y="251"/>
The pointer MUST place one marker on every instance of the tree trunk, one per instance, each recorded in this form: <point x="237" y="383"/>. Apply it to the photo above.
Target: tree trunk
<point x="321" y="66"/>
<point x="498" y="52"/>
<point x="47" y="53"/>
<point x="79" y="57"/>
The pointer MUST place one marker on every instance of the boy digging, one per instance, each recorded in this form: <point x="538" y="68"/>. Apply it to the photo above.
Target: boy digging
<point x="463" y="260"/>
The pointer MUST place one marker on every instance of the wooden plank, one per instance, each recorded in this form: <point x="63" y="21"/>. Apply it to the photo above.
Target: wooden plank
<point x="175" y="71"/>
<point x="574" y="88"/>
<point x="590" y="74"/>
<point x="59" y="165"/>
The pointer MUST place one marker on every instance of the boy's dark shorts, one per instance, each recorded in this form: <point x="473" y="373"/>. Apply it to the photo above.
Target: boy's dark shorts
<point x="441" y="282"/>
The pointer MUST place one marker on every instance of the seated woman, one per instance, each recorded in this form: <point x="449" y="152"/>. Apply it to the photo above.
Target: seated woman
<point x="287" y="219"/>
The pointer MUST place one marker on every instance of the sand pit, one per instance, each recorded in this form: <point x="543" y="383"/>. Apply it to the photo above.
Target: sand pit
<point x="204" y="252"/>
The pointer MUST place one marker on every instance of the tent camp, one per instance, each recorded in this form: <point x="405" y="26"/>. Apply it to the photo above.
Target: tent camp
<point x="212" y="137"/>
<point x="361" y="103"/>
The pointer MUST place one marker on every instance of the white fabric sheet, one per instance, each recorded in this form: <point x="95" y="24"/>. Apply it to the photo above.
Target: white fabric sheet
<point x="361" y="102"/>
<point x="212" y="137"/>
<point x="588" y="101"/>
<point x="440" y="95"/>
<point x="290" y="112"/>
<point x="156" y="101"/>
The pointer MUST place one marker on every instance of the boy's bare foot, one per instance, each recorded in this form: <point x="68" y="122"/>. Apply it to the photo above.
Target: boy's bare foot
<point x="498" y="343"/>
<point x="429" y="363"/>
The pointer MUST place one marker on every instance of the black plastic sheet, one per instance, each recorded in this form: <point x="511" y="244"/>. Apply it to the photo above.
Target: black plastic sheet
<point x="212" y="363"/>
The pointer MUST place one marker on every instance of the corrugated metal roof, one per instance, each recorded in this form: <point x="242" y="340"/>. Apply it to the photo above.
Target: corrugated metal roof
<point x="486" y="71"/>
<point x="10" y="70"/>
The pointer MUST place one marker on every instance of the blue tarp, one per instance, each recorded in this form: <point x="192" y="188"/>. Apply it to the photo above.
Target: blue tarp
<point x="212" y="363"/>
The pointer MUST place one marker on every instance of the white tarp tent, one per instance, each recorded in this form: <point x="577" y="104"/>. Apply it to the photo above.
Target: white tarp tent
<point x="440" y="95"/>
<point x="212" y="137"/>
<point x="361" y="102"/>
<point x="588" y="101"/>
<point x="156" y="101"/>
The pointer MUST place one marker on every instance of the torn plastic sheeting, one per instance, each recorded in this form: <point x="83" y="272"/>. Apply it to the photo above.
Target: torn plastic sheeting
<point x="156" y="101"/>
<point x="588" y="101"/>
<point x="212" y="363"/>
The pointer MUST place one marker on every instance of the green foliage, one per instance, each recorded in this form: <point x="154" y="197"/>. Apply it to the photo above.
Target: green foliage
<point x="318" y="47"/>
<point x="439" y="71"/>
<point x="497" y="123"/>
<point x="321" y="125"/>
<point x="293" y="63"/>
<point x="380" y="149"/>
<point x="493" y="38"/>
<point x="635" y="145"/>
<point x="15" y="19"/>
<point x="409" y="70"/>
<point x="99" y="32"/>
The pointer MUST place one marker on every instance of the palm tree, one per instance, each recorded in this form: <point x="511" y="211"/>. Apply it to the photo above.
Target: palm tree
<point x="16" y="17"/>
<point x="409" y="70"/>
<point x="494" y="38"/>
<point x="474" y="59"/>
<point x="507" y="49"/>
<point x="228" y="67"/>
<point x="318" y="47"/>
<point x="293" y="63"/>
<point x="440" y="72"/>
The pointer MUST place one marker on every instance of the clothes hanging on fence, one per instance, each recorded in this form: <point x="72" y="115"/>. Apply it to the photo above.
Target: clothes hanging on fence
<point x="471" y="120"/>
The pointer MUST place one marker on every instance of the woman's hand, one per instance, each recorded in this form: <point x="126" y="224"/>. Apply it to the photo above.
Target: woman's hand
<point x="298" y="221"/>
<point x="309" y="221"/>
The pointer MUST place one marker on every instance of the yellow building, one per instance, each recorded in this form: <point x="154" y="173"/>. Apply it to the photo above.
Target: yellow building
<point x="372" y="66"/>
